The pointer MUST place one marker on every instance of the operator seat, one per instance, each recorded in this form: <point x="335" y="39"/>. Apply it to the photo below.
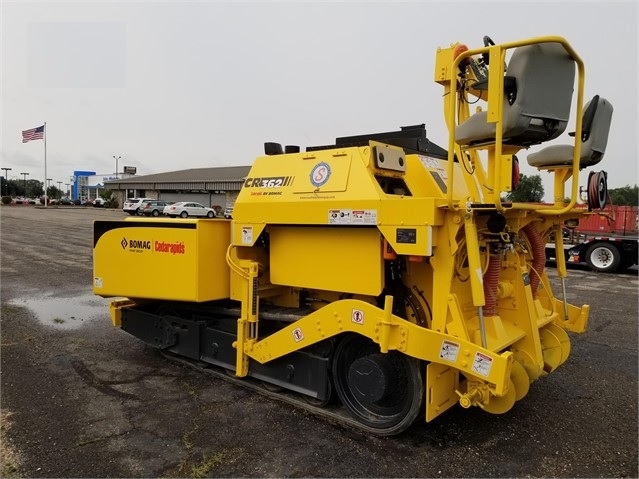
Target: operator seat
<point x="538" y="89"/>
<point x="594" y="138"/>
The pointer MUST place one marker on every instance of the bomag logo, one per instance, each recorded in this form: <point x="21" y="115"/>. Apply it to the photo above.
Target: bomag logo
<point x="135" y="245"/>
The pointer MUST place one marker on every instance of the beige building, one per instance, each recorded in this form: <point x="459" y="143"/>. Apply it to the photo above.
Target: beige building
<point x="208" y="186"/>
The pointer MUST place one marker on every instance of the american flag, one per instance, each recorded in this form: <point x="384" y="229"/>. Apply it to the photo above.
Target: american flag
<point x="33" y="134"/>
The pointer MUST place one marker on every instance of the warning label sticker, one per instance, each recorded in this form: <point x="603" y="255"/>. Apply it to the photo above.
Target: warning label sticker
<point x="298" y="335"/>
<point x="365" y="217"/>
<point x="357" y="316"/>
<point x="352" y="217"/>
<point x="247" y="235"/>
<point x="449" y="351"/>
<point x="482" y="364"/>
<point x="434" y="164"/>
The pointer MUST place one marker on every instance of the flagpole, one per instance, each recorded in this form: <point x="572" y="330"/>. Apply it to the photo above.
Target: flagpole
<point x="46" y="200"/>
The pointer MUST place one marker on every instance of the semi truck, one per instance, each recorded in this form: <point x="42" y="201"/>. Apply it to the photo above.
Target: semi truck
<point x="606" y="240"/>
<point x="380" y="278"/>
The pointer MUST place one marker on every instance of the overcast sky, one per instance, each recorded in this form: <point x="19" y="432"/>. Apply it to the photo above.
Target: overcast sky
<point x="176" y="85"/>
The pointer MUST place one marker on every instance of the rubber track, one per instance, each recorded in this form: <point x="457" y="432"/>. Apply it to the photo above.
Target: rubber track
<point x="333" y="413"/>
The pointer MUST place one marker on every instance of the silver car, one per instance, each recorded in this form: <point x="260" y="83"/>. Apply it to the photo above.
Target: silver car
<point x="132" y="205"/>
<point x="184" y="209"/>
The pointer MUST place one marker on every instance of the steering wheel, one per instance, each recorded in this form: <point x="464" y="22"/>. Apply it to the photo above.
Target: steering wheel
<point x="488" y="42"/>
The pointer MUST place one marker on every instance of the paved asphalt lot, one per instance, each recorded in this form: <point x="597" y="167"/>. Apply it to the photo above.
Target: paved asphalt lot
<point x="80" y="398"/>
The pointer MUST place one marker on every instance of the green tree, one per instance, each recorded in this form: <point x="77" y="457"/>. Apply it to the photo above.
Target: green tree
<point x="624" y="196"/>
<point x="35" y="188"/>
<point x="529" y="189"/>
<point x="53" y="192"/>
<point x="106" y="194"/>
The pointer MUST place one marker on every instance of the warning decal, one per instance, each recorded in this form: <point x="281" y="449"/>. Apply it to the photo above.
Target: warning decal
<point x="449" y="351"/>
<point x="357" y="316"/>
<point x="482" y="364"/>
<point x="298" y="335"/>
<point x="352" y="217"/>
<point x="247" y="235"/>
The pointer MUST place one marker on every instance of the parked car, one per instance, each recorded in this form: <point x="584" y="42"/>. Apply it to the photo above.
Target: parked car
<point x="152" y="207"/>
<point x="132" y="205"/>
<point x="184" y="209"/>
<point x="228" y="212"/>
<point x="98" y="202"/>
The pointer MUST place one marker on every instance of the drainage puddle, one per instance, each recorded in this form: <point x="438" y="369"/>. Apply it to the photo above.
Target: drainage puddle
<point x="69" y="312"/>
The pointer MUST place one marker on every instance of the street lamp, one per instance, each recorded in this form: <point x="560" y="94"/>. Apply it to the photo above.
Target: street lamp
<point x="6" y="178"/>
<point x="67" y="193"/>
<point x="59" y="186"/>
<point x="25" y="184"/>
<point x="117" y="158"/>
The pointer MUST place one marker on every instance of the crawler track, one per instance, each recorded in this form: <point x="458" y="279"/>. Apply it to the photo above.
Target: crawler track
<point x="334" y="412"/>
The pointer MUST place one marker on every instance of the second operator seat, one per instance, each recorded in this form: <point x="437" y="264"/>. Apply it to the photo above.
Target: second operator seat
<point x="597" y="116"/>
<point x="538" y="90"/>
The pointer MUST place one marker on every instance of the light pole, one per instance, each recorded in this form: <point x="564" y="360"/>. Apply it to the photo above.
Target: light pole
<point x="59" y="187"/>
<point x="49" y="180"/>
<point x="117" y="158"/>
<point x="25" y="183"/>
<point x="6" y="178"/>
<point x="67" y="193"/>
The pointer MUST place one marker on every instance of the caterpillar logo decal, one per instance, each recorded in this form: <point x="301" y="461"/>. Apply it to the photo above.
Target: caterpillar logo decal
<point x="268" y="182"/>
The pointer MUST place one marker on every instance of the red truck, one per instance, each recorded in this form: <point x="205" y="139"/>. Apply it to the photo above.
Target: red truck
<point x="606" y="240"/>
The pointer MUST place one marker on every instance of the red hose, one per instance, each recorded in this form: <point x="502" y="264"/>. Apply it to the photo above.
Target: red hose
<point x="538" y="256"/>
<point x="491" y="280"/>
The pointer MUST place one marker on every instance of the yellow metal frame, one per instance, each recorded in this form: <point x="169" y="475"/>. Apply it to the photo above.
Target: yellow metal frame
<point x="327" y="221"/>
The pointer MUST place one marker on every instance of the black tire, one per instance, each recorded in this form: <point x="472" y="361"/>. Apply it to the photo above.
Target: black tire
<point x="384" y="392"/>
<point x="184" y="214"/>
<point x="603" y="257"/>
<point x="210" y="214"/>
<point x="133" y="213"/>
<point x="155" y="213"/>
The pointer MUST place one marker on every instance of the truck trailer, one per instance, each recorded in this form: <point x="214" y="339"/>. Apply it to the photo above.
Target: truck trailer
<point x="606" y="240"/>
<point x="381" y="278"/>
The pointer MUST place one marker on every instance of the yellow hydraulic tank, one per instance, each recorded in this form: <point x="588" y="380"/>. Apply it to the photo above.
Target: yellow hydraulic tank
<point x="183" y="260"/>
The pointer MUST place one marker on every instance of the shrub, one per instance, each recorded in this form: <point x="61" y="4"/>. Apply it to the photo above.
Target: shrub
<point x="6" y="200"/>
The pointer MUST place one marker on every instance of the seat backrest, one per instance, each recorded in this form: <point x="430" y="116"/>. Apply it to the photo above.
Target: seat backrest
<point x="595" y="128"/>
<point x="595" y="125"/>
<point x="538" y="91"/>
<point x="537" y="108"/>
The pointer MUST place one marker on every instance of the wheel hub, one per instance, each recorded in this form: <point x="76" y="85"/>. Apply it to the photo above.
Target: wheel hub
<point x="371" y="377"/>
